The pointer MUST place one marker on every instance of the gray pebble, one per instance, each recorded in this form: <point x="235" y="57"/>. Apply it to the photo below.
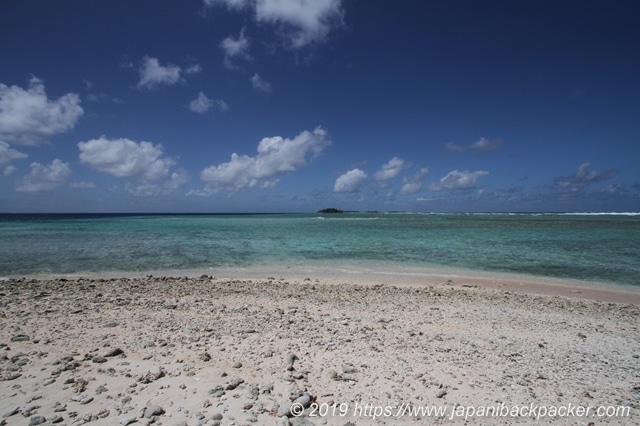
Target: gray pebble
<point x="86" y="400"/>
<point x="268" y="388"/>
<point x="349" y="369"/>
<point x="11" y="411"/>
<point x="20" y="338"/>
<point x="128" y="420"/>
<point x="234" y="383"/>
<point x="29" y="410"/>
<point x="11" y="376"/>
<point x="114" y="352"/>
<point x="55" y="419"/>
<point x="290" y="360"/>
<point x="156" y="410"/>
<point x="37" y="420"/>
<point x="284" y="409"/>
<point x="300" y="421"/>
<point x="283" y="421"/>
<point x="304" y="400"/>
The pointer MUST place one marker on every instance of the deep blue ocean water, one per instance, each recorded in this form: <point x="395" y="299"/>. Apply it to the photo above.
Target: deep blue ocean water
<point x="598" y="248"/>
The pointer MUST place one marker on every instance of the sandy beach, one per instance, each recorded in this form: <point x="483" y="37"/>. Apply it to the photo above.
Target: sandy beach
<point x="205" y="350"/>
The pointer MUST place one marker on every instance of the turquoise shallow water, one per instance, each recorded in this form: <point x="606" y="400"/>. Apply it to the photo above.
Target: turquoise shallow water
<point x="599" y="248"/>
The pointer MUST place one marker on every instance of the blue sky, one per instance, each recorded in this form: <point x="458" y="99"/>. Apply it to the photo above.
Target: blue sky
<point x="297" y="105"/>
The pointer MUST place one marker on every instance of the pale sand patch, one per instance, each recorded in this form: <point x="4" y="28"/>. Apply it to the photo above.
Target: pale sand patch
<point x="205" y="348"/>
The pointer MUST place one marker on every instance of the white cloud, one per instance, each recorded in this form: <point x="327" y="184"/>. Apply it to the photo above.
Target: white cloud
<point x="301" y="22"/>
<point x="482" y="144"/>
<point x="259" y="84"/>
<point x="177" y="180"/>
<point x="7" y="155"/>
<point x="351" y="181"/>
<point x="193" y="69"/>
<point x="125" y="158"/>
<point x="583" y="177"/>
<point x="230" y="4"/>
<point x="8" y="170"/>
<point x="276" y="156"/>
<point x="310" y="20"/>
<point x="452" y="146"/>
<point x="458" y="180"/>
<point x="28" y="117"/>
<point x="202" y="104"/>
<point x="414" y="184"/>
<point x="44" y="178"/>
<point x="152" y="74"/>
<point x="390" y="169"/>
<point x="235" y="48"/>
<point x="82" y="185"/>
<point x="146" y="189"/>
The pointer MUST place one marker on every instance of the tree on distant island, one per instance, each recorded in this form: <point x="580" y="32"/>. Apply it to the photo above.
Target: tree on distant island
<point x="330" y="210"/>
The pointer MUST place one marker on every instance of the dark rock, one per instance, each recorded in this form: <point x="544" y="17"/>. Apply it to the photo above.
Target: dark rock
<point x="234" y="383"/>
<point x="20" y="338"/>
<point x="114" y="352"/>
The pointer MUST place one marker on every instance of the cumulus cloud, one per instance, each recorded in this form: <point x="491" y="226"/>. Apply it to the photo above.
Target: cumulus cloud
<point x="276" y="156"/>
<point x="177" y="180"/>
<point x="482" y="144"/>
<point x="259" y="84"/>
<point x="310" y="20"/>
<point x="350" y="182"/>
<point x="458" y="180"/>
<point x="300" y="22"/>
<point x="125" y="158"/>
<point x="202" y="104"/>
<point x="43" y="178"/>
<point x="7" y="155"/>
<point x="28" y="117"/>
<point x="142" y="161"/>
<point x="413" y="184"/>
<point x="152" y="74"/>
<point x="235" y="47"/>
<point x="583" y="177"/>
<point x="390" y="169"/>
<point x="147" y="189"/>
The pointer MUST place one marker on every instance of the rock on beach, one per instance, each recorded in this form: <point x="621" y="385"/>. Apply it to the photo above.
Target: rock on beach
<point x="203" y="351"/>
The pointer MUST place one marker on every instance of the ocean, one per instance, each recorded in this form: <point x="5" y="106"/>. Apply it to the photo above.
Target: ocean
<point x="600" y="248"/>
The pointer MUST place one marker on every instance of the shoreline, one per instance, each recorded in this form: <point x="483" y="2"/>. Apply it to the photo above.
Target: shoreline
<point x="225" y="351"/>
<point x="400" y="277"/>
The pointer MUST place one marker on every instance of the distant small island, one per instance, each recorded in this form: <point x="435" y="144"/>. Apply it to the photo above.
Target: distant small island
<point x="331" y="210"/>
